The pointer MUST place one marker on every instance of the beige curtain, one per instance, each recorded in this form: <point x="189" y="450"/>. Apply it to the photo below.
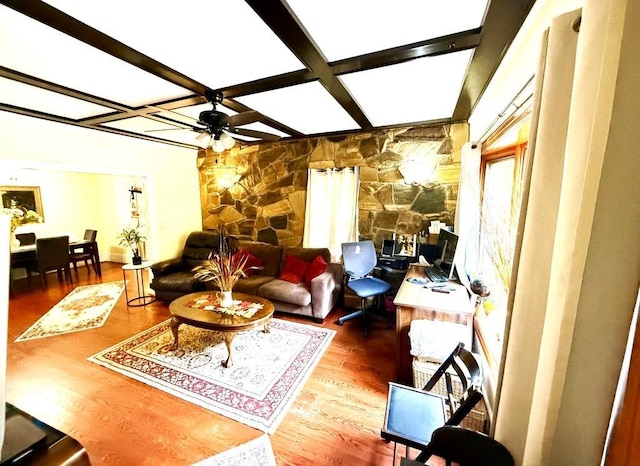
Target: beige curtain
<point x="467" y="221"/>
<point x="331" y="216"/>
<point x="569" y="322"/>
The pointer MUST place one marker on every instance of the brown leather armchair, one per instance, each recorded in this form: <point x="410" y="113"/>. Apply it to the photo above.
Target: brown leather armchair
<point x="173" y="278"/>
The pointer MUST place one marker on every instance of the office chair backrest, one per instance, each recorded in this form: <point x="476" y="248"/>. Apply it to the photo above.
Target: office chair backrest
<point x="52" y="252"/>
<point x="26" y="238"/>
<point x="90" y="235"/>
<point x="468" y="448"/>
<point x="359" y="258"/>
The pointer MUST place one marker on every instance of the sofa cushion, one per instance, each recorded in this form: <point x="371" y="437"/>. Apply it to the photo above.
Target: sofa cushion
<point x="281" y="290"/>
<point x="178" y="281"/>
<point x="251" y="284"/>
<point x="306" y="254"/>
<point x="316" y="267"/>
<point x="198" y="246"/>
<point x="268" y="253"/>
<point x="294" y="270"/>
<point x="253" y="262"/>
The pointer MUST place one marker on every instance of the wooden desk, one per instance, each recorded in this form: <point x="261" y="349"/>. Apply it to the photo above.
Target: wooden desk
<point x="413" y="301"/>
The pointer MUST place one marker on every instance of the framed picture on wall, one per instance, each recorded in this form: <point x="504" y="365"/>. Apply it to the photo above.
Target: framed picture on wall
<point x="22" y="197"/>
<point x="404" y="245"/>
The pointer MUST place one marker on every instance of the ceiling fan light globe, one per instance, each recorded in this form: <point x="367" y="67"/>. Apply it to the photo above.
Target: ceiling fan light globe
<point x="217" y="145"/>
<point x="227" y="141"/>
<point x="203" y="139"/>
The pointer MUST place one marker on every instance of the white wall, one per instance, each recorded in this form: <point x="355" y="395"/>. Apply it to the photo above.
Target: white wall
<point x="43" y="153"/>
<point x="582" y="356"/>
<point x="518" y="65"/>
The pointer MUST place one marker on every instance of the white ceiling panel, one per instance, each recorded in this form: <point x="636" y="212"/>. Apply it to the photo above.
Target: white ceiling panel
<point x="217" y="43"/>
<point x="307" y="108"/>
<point x="42" y="100"/>
<point x="317" y="67"/>
<point x="348" y="28"/>
<point x="45" y="53"/>
<point x="418" y="90"/>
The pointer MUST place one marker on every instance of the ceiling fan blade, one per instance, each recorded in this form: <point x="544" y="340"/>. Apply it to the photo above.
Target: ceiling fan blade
<point x="244" y="118"/>
<point x="169" y="129"/>
<point x="181" y="115"/>
<point x="254" y="134"/>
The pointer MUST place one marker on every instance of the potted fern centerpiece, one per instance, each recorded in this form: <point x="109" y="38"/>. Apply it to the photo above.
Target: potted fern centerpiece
<point x="132" y="238"/>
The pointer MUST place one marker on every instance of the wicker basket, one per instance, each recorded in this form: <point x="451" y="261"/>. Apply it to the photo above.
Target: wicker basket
<point x="422" y="372"/>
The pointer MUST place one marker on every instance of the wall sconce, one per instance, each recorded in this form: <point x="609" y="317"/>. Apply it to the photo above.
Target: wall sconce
<point x="419" y="172"/>
<point x="223" y="176"/>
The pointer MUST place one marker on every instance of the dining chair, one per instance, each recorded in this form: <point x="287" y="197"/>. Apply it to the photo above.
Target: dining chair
<point x="467" y="447"/>
<point x="413" y="414"/>
<point x="22" y="259"/>
<point x="26" y="239"/>
<point x="52" y="254"/>
<point x="85" y="252"/>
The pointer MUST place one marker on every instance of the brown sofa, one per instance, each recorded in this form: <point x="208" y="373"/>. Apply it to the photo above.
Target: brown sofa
<point x="174" y="277"/>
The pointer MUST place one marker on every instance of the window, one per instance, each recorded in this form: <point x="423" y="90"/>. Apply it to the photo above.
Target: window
<point x="331" y="216"/>
<point x="501" y="173"/>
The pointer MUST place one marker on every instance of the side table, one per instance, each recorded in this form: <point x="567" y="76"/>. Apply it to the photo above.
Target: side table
<point x="141" y="299"/>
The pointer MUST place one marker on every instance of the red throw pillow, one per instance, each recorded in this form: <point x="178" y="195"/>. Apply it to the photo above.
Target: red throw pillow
<point x="316" y="267"/>
<point x="252" y="263"/>
<point x="294" y="269"/>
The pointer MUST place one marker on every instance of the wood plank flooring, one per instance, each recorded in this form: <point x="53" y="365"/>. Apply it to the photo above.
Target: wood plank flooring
<point x="335" y="420"/>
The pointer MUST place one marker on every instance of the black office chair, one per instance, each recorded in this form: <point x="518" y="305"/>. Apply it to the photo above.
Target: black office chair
<point x="467" y="448"/>
<point x="85" y="252"/>
<point x="359" y="260"/>
<point x="412" y="414"/>
<point x="52" y="254"/>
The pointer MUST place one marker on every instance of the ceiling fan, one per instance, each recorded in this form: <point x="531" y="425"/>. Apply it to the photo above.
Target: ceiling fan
<point x="215" y="127"/>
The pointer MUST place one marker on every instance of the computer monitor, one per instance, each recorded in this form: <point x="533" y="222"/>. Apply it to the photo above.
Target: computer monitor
<point x="446" y="252"/>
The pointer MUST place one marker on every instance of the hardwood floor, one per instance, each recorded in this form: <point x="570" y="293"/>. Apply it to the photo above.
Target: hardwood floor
<point x="335" y="420"/>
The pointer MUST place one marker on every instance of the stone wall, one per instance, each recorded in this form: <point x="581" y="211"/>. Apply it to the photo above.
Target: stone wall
<point x="408" y="177"/>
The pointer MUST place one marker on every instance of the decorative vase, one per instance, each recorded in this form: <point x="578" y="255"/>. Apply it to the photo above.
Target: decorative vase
<point x="15" y="242"/>
<point x="225" y="298"/>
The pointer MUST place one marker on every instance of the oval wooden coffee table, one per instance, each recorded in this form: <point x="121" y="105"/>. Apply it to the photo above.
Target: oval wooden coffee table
<point x="184" y="311"/>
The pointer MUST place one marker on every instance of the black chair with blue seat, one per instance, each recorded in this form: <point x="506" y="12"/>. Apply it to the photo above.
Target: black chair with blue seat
<point x="360" y="259"/>
<point x="467" y="447"/>
<point x="412" y="414"/>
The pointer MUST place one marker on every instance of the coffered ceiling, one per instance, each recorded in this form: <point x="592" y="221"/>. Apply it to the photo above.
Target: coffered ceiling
<point x="141" y="68"/>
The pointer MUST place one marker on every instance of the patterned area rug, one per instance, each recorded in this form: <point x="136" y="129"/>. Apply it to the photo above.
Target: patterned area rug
<point x="84" y="308"/>
<point x="269" y="369"/>
<point x="257" y="452"/>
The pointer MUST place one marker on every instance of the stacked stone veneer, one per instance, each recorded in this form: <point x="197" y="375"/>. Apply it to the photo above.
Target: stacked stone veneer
<point x="268" y="203"/>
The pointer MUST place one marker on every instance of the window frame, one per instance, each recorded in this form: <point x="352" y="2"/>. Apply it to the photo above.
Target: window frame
<point x="482" y="328"/>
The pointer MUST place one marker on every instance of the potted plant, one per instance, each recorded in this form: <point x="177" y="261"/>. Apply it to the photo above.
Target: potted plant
<point x="224" y="268"/>
<point x="131" y="238"/>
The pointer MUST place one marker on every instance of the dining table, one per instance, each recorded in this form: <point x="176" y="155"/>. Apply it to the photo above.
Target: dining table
<point x="27" y="252"/>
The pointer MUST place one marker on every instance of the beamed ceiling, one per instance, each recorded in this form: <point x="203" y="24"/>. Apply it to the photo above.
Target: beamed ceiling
<point x="141" y="68"/>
